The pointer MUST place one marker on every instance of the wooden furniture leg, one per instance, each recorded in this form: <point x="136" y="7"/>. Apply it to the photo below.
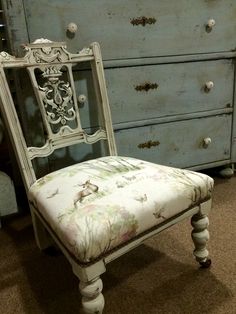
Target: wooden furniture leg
<point x="200" y="236"/>
<point x="92" y="298"/>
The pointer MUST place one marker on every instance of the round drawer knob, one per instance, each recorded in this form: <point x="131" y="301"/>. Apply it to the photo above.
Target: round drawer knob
<point x="206" y="142"/>
<point x="72" y="28"/>
<point x="82" y="99"/>
<point x="210" y="24"/>
<point x="208" y="86"/>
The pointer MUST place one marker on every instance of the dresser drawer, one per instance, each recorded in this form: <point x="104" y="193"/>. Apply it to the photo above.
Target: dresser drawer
<point x="180" y="144"/>
<point x="145" y="92"/>
<point x="134" y="29"/>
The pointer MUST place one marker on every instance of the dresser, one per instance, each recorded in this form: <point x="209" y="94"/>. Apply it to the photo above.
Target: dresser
<point x="169" y="67"/>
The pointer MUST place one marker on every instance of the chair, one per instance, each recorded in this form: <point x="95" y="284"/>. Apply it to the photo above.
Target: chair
<point x="99" y="209"/>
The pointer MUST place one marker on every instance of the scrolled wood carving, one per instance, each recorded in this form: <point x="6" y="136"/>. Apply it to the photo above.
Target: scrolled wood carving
<point x="4" y="56"/>
<point x="57" y="97"/>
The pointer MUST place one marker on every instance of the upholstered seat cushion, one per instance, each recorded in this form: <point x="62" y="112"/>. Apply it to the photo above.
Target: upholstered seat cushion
<point x="99" y="204"/>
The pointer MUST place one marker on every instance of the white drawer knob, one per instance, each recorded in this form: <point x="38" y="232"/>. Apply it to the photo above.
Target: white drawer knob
<point x="208" y="86"/>
<point x="206" y="142"/>
<point x="72" y="28"/>
<point x="82" y="99"/>
<point x="210" y="24"/>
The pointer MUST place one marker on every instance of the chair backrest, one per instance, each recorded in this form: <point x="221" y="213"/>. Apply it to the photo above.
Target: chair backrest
<point x="49" y="66"/>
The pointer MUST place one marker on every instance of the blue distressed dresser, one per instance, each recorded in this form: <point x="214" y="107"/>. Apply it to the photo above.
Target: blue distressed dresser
<point x="169" y="66"/>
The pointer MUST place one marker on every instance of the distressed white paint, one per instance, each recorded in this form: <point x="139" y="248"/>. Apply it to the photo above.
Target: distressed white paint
<point x="49" y="57"/>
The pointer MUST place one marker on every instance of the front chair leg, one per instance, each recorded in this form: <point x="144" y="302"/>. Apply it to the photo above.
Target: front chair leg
<point x="200" y="236"/>
<point x="42" y="237"/>
<point x="92" y="298"/>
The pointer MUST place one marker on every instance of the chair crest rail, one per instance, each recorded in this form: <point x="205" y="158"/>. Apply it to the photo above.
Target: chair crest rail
<point x="45" y="52"/>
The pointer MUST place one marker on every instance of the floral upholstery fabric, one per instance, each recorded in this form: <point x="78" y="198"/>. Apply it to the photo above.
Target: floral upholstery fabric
<point x="99" y="204"/>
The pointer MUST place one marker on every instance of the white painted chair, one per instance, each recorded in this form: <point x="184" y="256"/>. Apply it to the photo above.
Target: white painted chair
<point x="99" y="209"/>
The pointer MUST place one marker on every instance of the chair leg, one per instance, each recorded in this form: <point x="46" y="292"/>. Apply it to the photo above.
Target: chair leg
<point x="200" y="236"/>
<point x="92" y="298"/>
<point x="42" y="237"/>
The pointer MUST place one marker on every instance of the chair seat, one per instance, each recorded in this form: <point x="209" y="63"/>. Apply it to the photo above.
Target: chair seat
<point x="99" y="204"/>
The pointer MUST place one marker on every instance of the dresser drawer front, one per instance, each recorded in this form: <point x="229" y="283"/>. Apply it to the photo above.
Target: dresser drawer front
<point x="133" y="29"/>
<point x="145" y="92"/>
<point x="181" y="144"/>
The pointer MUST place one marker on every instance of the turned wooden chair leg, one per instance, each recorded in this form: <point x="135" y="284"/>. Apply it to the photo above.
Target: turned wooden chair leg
<point x="92" y="298"/>
<point x="200" y="236"/>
